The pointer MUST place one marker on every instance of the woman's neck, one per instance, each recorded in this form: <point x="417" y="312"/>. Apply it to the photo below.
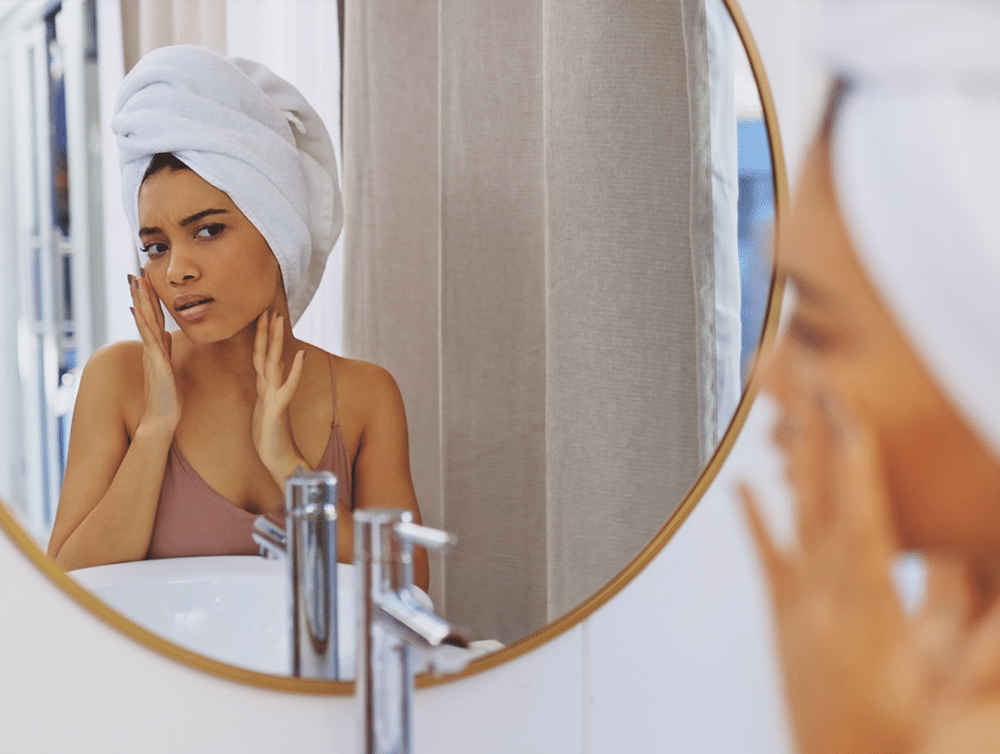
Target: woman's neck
<point x="984" y="586"/>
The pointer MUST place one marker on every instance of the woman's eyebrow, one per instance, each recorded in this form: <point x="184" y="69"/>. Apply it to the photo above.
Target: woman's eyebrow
<point x="199" y="215"/>
<point x="152" y="231"/>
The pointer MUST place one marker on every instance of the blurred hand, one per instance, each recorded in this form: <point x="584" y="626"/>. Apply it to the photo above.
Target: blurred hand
<point x="162" y="407"/>
<point x="966" y="716"/>
<point x="272" y="429"/>
<point x="860" y="675"/>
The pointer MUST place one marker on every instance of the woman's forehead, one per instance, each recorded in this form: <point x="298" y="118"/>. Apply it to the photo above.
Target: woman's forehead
<point x="171" y="191"/>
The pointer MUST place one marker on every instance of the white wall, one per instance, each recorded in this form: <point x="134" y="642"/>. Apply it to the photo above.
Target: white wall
<point x="786" y="34"/>
<point x="679" y="660"/>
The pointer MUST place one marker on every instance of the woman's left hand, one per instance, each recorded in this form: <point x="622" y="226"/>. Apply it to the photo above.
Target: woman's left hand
<point x="968" y="707"/>
<point x="272" y="428"/>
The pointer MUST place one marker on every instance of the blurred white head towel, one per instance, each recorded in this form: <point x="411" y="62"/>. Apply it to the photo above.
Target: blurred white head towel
<point x="250" y="134"/>
<point x="916" y="164"/>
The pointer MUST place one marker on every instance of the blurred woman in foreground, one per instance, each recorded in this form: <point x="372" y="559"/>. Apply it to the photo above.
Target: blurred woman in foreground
<point x="888" y="381"/>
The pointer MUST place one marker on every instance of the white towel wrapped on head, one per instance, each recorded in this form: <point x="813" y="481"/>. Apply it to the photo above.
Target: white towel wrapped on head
<point x="916" y="165"/>
<point x="248" y="133"/>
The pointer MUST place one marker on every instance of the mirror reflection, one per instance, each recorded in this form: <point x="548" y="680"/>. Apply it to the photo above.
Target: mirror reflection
<point x="560" y="254"/>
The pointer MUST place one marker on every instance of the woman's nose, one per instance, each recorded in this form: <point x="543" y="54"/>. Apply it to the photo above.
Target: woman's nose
<point x="182" y="266"/>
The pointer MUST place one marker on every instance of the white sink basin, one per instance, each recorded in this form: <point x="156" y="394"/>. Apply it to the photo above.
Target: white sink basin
<point x="229" y="608"/>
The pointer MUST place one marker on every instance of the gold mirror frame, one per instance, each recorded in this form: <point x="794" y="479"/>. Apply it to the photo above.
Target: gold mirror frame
<point x="550" y="631"/>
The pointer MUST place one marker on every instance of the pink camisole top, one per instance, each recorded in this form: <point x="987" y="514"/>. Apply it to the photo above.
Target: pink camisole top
<point x="193" y="519"/>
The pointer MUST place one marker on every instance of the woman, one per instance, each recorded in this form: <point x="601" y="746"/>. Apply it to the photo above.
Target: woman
<point x="887" y="379"/>
<point x="180" y="440"/>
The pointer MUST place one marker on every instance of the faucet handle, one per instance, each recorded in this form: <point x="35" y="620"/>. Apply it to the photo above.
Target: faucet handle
<point x="425" y="536"/>
<point x="270" y="537"/>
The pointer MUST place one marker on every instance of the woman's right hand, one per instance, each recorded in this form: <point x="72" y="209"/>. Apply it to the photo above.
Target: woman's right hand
<point x="860" y="675"/>
<point x="118" y="450"/>
<point x="162" y="407"/>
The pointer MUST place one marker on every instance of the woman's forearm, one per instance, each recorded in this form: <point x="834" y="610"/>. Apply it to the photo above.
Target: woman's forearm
<point x="119" y="527"/>
<point x="281" y="469"/>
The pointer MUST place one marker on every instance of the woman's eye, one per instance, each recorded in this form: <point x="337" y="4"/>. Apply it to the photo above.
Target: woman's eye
<point x="810" y="336"/>
<point x="210" y="230"/>
<point x="153" y="249"/>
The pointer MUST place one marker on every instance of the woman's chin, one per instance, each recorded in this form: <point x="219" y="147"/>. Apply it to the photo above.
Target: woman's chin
<point x="201" y="334"/>
<point x="211" y="333"/>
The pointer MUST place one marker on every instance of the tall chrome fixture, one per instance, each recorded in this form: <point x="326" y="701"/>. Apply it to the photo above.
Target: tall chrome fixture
<point x="308" y="544"/>
<point x="394" y="629"/>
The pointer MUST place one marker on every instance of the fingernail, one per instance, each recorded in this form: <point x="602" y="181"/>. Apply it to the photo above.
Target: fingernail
<point x="142" y="272"/>
<point x="132" y="309"/>
<point x="131" y="280"/>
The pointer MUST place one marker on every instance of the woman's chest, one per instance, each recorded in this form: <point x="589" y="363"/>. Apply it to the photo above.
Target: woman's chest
<point x="216" y="437"/>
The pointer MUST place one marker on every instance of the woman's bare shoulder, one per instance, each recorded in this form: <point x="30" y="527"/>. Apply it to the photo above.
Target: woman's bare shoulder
<point x="366" y="385"/>
<point x="113" y="375"/>
<point x="116" y="361"/>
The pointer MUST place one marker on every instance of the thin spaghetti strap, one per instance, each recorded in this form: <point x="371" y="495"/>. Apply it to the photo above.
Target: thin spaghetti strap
<point x="333" y="382"/>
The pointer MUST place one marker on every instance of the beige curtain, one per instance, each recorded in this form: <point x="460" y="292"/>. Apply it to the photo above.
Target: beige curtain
<point x="149" y="24"/>
<point x="528" y="249"/>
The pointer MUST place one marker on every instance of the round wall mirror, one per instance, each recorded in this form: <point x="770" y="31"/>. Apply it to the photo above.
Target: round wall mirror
<point x="558" y="238"/>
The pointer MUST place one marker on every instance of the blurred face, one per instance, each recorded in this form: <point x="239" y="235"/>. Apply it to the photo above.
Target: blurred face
<point x="944" y="485"/>
<point x="210" y="266"/>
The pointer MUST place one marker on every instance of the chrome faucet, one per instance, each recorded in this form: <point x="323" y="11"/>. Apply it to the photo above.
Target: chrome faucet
<point x="308" y="544"/>
<point x="394" y="629"/>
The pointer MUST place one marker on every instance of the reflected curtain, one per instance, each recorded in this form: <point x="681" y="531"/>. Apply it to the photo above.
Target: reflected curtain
<point x="528" y="247"/>
<point x="148" y="24"/>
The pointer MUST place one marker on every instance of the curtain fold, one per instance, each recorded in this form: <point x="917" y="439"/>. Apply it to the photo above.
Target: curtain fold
<point x="723" y="44"/>
<point x="627" y="395"/>
<point x="392" y="221"/>
<point x="493" y="313"/>
<point x="529" y="251"/>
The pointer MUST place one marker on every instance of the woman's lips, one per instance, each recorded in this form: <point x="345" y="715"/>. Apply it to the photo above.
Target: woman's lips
<point x="191" y="307"/>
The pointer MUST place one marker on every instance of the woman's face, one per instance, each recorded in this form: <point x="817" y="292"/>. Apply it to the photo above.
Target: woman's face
<point x="209" y="265"/>
<point x="944" y="485"/>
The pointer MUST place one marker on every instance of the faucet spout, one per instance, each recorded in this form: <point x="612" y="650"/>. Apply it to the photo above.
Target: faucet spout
<point x="308" y="545"/>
